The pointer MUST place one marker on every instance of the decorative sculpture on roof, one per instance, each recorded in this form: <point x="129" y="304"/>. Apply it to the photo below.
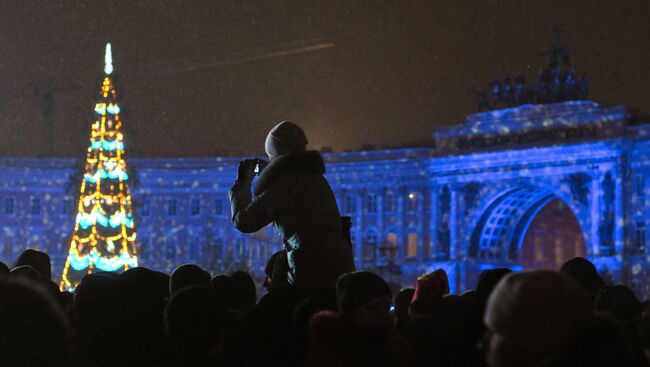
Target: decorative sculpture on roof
<point x="557" y="82"/>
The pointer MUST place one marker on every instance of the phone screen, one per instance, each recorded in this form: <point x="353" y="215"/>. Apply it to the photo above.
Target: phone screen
<point x="257" y="169"/>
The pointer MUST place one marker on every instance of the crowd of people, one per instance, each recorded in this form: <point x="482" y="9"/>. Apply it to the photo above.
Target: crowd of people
<point x="318" y="310"/>
<point x="146" y="318"/>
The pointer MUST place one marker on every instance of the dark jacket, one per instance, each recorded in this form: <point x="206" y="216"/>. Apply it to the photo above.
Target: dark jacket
<point x="292" y="193"/>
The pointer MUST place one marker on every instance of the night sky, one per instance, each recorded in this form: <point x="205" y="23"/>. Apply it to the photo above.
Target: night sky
<point x="198" y="78"/>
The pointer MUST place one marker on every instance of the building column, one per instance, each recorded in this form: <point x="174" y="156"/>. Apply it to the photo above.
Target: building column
<point x="594" y="207"/>
<point x="453" y="223"/>
<point x="358" y="227"/>
<point x="433" y="224"/>
<point x="381" y="236"/>
<point x="422" y="240"/>
<point x="620" y="221"/>
<point x="401" y="193"/>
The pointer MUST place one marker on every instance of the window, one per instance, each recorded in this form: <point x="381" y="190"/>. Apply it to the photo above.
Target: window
<point x="412" y="244"/>
<point x="391" y="239"/>
<point x="412" y="201"/>
<point x="195" y="207"/>
<point x="350" y="204"/>
<point x="171" y="207"/>
<point x="145" y="208"/>
<point x="66" y="207"/>
<point x="35" y="206"/>
<point x="391" y="244"/>
<point x="218" y="206"/>
<point x="640" y="236"/>
<point x="9" y="206"/>
<point x="217" y="246"/>
<point x="371" y="203"/>
<point x="391" y="203"/>
<point x="370" y="244"/>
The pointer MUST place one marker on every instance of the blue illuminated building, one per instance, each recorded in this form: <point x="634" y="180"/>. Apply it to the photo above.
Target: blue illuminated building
<point x="522" y="187"/>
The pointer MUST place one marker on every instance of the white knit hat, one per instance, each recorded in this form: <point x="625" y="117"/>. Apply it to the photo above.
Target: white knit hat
<point x="285" y="138"/>
<point x="538" y="310"/>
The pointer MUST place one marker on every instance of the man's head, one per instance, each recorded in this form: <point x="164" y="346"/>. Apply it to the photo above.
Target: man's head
<point x="187" y="275"/>
<point x="285" y="138"/>
<point x="533" y="315"/>
<point x="364" y="298"/>
<point x="194" y="323"/>
<point x="584" y="272"/>
<point x="38" y="260"/>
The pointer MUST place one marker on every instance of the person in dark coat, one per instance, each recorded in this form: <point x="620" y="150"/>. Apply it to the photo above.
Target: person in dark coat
<point x="39" y="261"/>
<point x="292" y="193"/>
<point x="359" y="334"/>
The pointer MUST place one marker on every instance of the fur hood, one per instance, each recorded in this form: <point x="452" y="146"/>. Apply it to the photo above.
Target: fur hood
<point x="308" y="163"/>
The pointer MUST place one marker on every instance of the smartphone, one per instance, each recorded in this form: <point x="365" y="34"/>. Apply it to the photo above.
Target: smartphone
<point x="257" y="169"/>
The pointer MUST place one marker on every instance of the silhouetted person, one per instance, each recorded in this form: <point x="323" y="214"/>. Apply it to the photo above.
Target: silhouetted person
<point x="620" y="302"/>
<point x="429" y="291"/>
<point x="359" y="335"/>
<point x="534" y="317"/>
<point x="292" y="193"/>
<point x="38" y="260"/>
<point x="34" y="329"/>
<point x="245" y="289"/>
<point x="187" y="275"/>
<point x="96" y="316"/>
<point x="233" y="313"/>
<point x="487" y="280"/>
<point x="140" y="308"/>
<point x="402" y="304"/>
<point x="195" y="326"/>
<point x="585" y="273"/>
<point x="304" y="311"/>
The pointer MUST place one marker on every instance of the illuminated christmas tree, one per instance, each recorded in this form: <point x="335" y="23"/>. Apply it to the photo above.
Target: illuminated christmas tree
<point x="104" y="233"/>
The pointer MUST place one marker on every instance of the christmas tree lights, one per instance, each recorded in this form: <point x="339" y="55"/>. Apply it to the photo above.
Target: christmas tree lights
<point x="104" y="234"/>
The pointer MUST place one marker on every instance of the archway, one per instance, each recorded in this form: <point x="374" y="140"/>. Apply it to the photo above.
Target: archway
<point x="528" y="226"/>
<point x="553" y="237"/>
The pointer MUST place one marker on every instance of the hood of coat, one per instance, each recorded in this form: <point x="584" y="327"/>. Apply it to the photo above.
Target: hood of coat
<point x="309" y="162"/>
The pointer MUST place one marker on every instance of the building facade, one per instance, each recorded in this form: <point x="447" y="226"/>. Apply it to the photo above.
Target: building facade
<point x="522" y="187"/>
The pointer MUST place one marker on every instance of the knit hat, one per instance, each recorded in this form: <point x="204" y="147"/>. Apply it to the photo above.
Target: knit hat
<point x="538" y="310"/>
<point x="356" y="288"/>
<point x="285" y="138"/>
<point x="584" y="272"/>
<point x="429" y="290"/>
<point x="488" y="279"/>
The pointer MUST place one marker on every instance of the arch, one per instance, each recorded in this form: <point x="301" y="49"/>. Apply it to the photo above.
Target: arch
<point x="502" y="225"/>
